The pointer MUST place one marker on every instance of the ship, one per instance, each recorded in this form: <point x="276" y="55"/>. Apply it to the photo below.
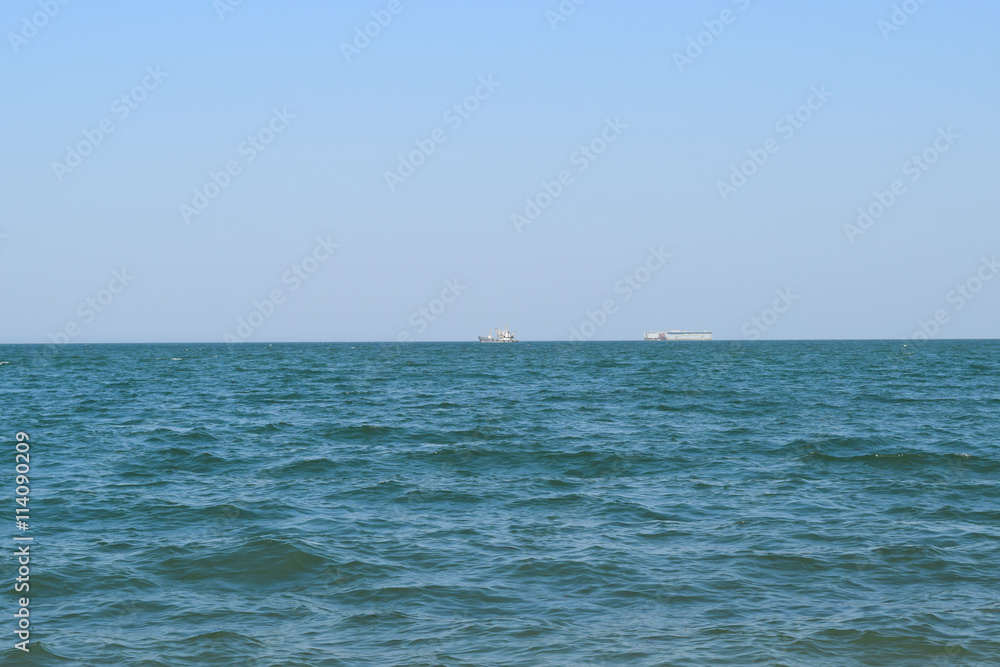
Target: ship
<point x="677" y="335"/>
<point x="502" y="336"/>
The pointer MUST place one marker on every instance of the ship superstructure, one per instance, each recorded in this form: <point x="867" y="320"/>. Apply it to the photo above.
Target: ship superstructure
<point x="504" y="335"/>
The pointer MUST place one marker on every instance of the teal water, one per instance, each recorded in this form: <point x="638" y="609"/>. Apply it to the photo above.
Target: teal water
<point x="724" y="503"/>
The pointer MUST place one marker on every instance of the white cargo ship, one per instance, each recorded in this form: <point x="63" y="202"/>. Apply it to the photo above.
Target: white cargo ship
<point x="677" y="335"/>
<point x="502" y="336"/>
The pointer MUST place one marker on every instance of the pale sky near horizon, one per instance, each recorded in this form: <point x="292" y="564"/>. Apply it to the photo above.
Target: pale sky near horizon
<point x="201" y="170"/>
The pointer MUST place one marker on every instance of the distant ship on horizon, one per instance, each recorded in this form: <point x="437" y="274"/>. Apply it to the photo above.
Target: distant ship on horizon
<point x="504" y="336"/>
<point x="677" y="335"/>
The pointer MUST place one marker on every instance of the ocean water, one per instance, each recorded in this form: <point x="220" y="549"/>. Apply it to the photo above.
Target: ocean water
<point x="724" y="503"/>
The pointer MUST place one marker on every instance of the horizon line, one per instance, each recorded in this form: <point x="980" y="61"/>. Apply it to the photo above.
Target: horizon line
<point x="474" y="342"/>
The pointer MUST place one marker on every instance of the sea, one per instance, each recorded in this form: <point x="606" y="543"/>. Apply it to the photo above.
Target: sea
<point x="603" y="503"/>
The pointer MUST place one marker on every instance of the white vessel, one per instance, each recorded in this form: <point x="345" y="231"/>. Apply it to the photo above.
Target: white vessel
<point x="677" y="335"/>
<point x="504" y="336"/>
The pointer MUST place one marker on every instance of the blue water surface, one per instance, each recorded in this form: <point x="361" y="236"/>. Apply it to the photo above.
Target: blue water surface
<point x="723" y="503"/>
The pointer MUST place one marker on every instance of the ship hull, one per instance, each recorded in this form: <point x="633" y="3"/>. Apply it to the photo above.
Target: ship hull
<point x="677" y="336"/>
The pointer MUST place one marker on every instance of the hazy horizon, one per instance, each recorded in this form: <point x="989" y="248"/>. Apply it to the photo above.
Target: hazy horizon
<point x="916" y="343"/>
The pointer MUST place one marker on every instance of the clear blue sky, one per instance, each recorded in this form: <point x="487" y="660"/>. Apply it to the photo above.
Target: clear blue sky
<point x="678" y="128"/>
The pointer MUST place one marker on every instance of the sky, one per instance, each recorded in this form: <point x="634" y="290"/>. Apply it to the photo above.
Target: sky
<point x="225" y="170"/>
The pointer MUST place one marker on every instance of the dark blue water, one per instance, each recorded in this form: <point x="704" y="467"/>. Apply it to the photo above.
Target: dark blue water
<point x="788" y="503"/>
